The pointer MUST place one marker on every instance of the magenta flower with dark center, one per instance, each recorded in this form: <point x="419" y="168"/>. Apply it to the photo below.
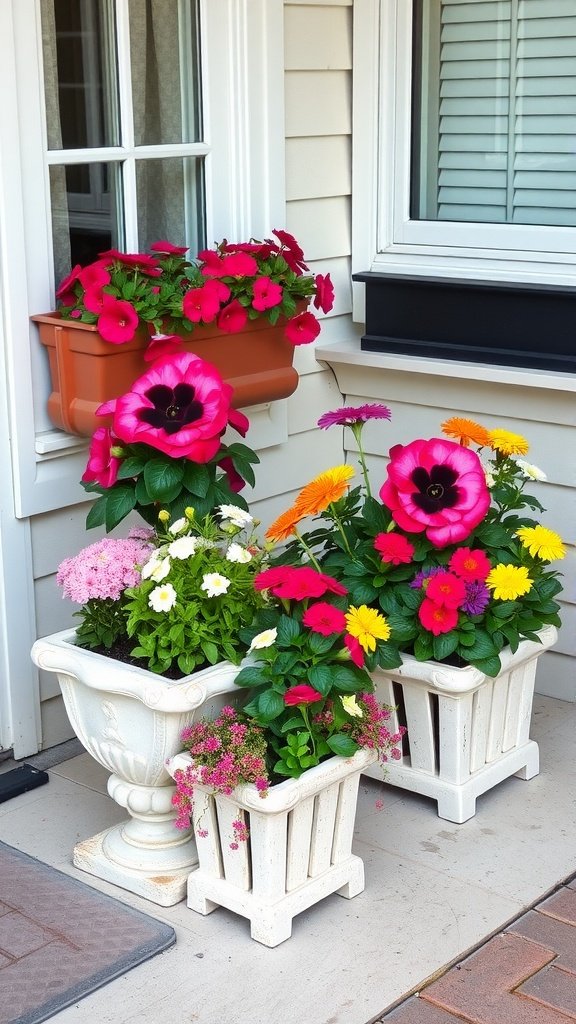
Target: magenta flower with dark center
<point x="172" y="408"/>
<point x="435" y="490"/>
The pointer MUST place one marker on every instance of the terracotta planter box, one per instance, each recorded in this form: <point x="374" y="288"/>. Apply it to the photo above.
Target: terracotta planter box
<point x="86" y="371"/>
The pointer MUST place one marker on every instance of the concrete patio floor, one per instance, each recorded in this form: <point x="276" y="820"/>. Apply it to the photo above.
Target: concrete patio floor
<point x="434" y="891"/>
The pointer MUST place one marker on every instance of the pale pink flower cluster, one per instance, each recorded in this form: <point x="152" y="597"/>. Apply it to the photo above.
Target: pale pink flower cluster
<point x="102" y="570"/>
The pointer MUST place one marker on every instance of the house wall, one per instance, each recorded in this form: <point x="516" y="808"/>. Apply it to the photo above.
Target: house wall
<point x="318" y="52"/>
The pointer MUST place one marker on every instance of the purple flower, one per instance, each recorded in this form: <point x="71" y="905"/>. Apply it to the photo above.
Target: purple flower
<point x="421" y="577"/>
<point x="349" y="414"/>
<point x="477" y="597"/>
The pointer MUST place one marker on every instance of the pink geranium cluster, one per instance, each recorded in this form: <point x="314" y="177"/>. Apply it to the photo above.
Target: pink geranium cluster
<point x="103" y="570"/>
<point x="227" y="286"/>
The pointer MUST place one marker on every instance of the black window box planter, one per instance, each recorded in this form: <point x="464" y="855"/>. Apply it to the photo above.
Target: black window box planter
<point x="474" y="321"/>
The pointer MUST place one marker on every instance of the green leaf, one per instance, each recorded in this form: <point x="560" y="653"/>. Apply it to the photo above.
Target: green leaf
<point x="490" y="666"/>
<point x="97" y="514"/>
<point x="445" y="645"/>
<point x="292" y="723"/>
<point x="120" y="501"/>
<point x="320" y="677"/>
<point x="288" y="631"/>
<point x="210" y="651"/>
<point x="388" y="656"/>
<point x="196" y="479"/>
<point x="252" y="675"/>
<point x="483" y="646"/>
<point x="349" y="680"/>
<point x="319" y="644"/>
<point x="270" y="705"/>
<point x="342" y="745"/>
<point x="163" y="479"/>
<point x="130" y="467"/>
<point x="423" y="648"/>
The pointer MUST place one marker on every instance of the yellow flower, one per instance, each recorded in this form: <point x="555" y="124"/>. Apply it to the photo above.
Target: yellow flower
<point x="466" y="431"/>
<point x="164" y="516"/>
<point x="367" y="625"/>
<point x="507" y="443"/>
<point x="542" y="542"/>
<point x="351" y="705"/>
<point x="509" y="581"/>
<point x="326" y="488"/>
<point x="284" y="526"/>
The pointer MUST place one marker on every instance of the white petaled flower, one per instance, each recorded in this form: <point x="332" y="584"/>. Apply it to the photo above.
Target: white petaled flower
<point x="350" y="705"/>
<point x="156" y="568"/>
<point x="529" y="471"/>
<point x="178" y="526"/>
<point x="236" y="553"/>
<point x="162" y="599"/>
<point x="488" y="476"/>
<point x="264" y="639"/>
<point x="183" y="547"/>
<point x="214" y="584"/>
<point x="237" y="516"/>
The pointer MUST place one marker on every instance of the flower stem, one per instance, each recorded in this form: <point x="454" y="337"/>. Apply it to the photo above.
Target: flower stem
<point x="356" y="429"/>
<point x="308" y="550"/>
<point x="340" y="525"/>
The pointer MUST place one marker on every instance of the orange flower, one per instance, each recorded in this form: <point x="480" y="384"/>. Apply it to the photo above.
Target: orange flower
<point x="284" y="526"/>
<point x="326" y="488"/>
<point x="466" y="431"/>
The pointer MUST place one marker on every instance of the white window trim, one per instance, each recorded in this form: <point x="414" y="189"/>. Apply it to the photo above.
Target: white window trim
<point x="243" y="48"/>
<point x="385" y="240"/>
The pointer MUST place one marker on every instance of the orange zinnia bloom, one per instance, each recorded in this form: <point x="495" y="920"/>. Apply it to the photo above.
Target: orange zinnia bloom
<point x="326" y="488"/>
<point x="284" y="526"/>
<point x="466" y="431"/>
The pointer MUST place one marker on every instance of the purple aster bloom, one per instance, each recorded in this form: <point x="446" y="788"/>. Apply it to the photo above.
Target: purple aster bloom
<point x="349" y="415"/>
<point x="421" y="577"/>
<point x="477" y="597"/>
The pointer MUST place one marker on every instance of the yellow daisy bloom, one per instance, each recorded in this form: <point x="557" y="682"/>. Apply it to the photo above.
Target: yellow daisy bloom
<point x="326" y="488"/>
<point x="466" y="432"/>
<point x="284" y="526"/>
<point x="542" y="542"/>
<point x="507" y="443"/>
<point x="509" y="582"/>
<point x="367" y="625"/>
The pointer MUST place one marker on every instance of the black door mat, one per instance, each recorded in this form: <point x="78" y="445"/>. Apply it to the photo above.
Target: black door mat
<point x="61" y="939"/>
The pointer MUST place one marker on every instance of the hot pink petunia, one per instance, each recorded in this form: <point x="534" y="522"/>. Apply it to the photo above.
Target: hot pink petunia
<point x="297" y="583"/>
<point x="446" y="589"/>
<point x="232" y="318"/>
<point x="437" y="617"/>
<point x="394" y="548"/>
<point x="65" y="290"/>
<point x="203" y="304"/>
<point x="302" y="694"/>
<point x="95" y="275"/>
<point x="95" y="299"/>
<point x="470" y="565"/>
<point x="324" y="618"/>
<point x="118" y="320"/>
<point x="168" y="248"/>
<point x="266" y="294"/>
<point x="138" y="260"/>
<point x="355" y="649"/>
<point x="302" y="329"/>
<point x="102" y="467"/>
<point x="291" y="251"/>
<point x="324" y="298"/>
<point x="437" y="487"/>
<point x="180" y="406"/>
<point x="163" y="345"/>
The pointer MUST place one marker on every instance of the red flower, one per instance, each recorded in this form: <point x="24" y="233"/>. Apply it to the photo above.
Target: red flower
<point x="302" y="694"/>
<point x="232" y="318"/>
<point x="180" y="405"/>
<point x="324" y="298"/>
<point x="297" y="583"/>
<point x="470" y="565"/>
<point x="291" y="251"/>
<point x="139" y="260"/>
<point x="204" y="303"/>
<point x="446" y="589"/>
<point x="95" y="298"/>
<point x="266" y="294"/>
<point x="95" y="275"/>
<point x="394" y="548"/>
<point x="118" y="320"/>
<point x="102" y="466"/>
<point x="302" y="329"/>
<point x="436" y="617"/>
<point x="168" y="248"/>
<point x="65" y="291"/>
<point x="437" y="487"/>
<point x="324" y="618"/>
<point x="163" y="345"/>
<point x="235" y="481"/>
<point x="356" y="651"/>
<point x="239" y="264"/>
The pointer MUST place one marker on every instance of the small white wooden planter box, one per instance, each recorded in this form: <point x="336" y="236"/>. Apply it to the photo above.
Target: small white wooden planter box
<point x="298" y="851"/>
<point x="466" y="731"/>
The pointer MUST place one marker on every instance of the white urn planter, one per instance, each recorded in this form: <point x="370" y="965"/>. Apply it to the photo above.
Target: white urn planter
<point x="130" y="721"/>
<point x="466" y="731"/>
<point x="298" y="850"/>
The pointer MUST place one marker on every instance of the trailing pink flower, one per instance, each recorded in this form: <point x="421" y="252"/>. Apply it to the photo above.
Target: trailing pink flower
<point x="302" y="329"/>
<point x="102" y="467"/>
<point x="437" y="487"/>
<point x="355" y="649"/>
<point x="138" y="260"/>
<point x="232" y="318"/>
<point x="95" y="298"/>
<point x="297" y="583"/>
<point x="168" y="249"/>
<point x="118" y="320"/>
<point x="163" y="345"/>
<point x="324" y="618"/>
<point x="291" y="251"/>
<point x="266" y="294"/>
<point x="324" y="297"/>
<point x="302" y="694"/>
<point x="394" y="548"/>
<point x="65" y="291"/>
<point x="95" y="275"/>
<point x="203" y="304"/>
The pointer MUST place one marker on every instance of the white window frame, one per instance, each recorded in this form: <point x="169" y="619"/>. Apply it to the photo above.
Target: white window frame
<point x="385" y="239"/>
<point x="243" y="111"/>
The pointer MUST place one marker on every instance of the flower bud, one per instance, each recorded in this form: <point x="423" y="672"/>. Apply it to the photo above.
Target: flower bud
<point x="117" y="452"/>
<point x="189" y="512"/>
<point x="164" y="515"/>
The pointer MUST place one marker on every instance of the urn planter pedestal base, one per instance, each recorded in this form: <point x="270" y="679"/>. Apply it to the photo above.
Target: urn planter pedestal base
<point x="298" y="850"/>
<point x="130" y="720"/>
<point x="466" y="732"/>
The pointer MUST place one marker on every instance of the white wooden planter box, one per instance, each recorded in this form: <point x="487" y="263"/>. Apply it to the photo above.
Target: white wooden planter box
<point x="466" y="731"/>
<point x="298" y="851"/>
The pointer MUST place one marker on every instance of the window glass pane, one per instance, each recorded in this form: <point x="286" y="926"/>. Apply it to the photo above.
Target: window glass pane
<point x="494" y="105"/>
<point x="86" y="201"/>
<point x="171" y="202"/>
<point x="165" y="71"/>
<point x="81" y="86"/>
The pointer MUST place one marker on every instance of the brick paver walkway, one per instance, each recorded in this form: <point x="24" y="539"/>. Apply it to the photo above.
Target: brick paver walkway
<point x="524" y="975"/>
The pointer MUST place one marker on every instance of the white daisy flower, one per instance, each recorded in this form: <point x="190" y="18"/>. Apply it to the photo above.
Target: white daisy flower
<point x="183" y="547"/>
<point x="237" y="516"/>
<point x="236" y="553"/>
<point x="264" y="639"/>
<point x="529" y="471"/>
<point x="156" y="568"/>
<point x="178" y="526"/>
<point x="162" y="599"/>
<point x="214" y="584"/>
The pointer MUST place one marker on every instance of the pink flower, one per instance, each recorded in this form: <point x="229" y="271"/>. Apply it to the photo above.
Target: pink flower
<point x="266" y="294"/>
<point x="203" y="304"/>
<point x="470" y="565"/>
<point x="291" y="251"/>
<point x="102" y="570"/>
<point x="118" y="320"/>
<point x="65" y="291"/>
<point x="163" y="345"/>
<point x="168" y="248"/>
<point x="436" y="617"/>
<point x="138" y="260"/>
<point x="180" y="405"/>
<point x="302" y="694"/>
<point x="394" y="548"/>
<point x="232" y="318"/>
<point x="355" y="649"/>
<point x="102" y="467"/>
<point x="437" y="487"/>
<point x="324" y="618"/>
<point x="324" y="298"/>
<point x="353" y="415"/>
<point x="95" y="299"/>
<point x="446" y="589"/>
<point x="94" y="276"/>
<point x="297" y="583"/>
<point x="302" y="329"/>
